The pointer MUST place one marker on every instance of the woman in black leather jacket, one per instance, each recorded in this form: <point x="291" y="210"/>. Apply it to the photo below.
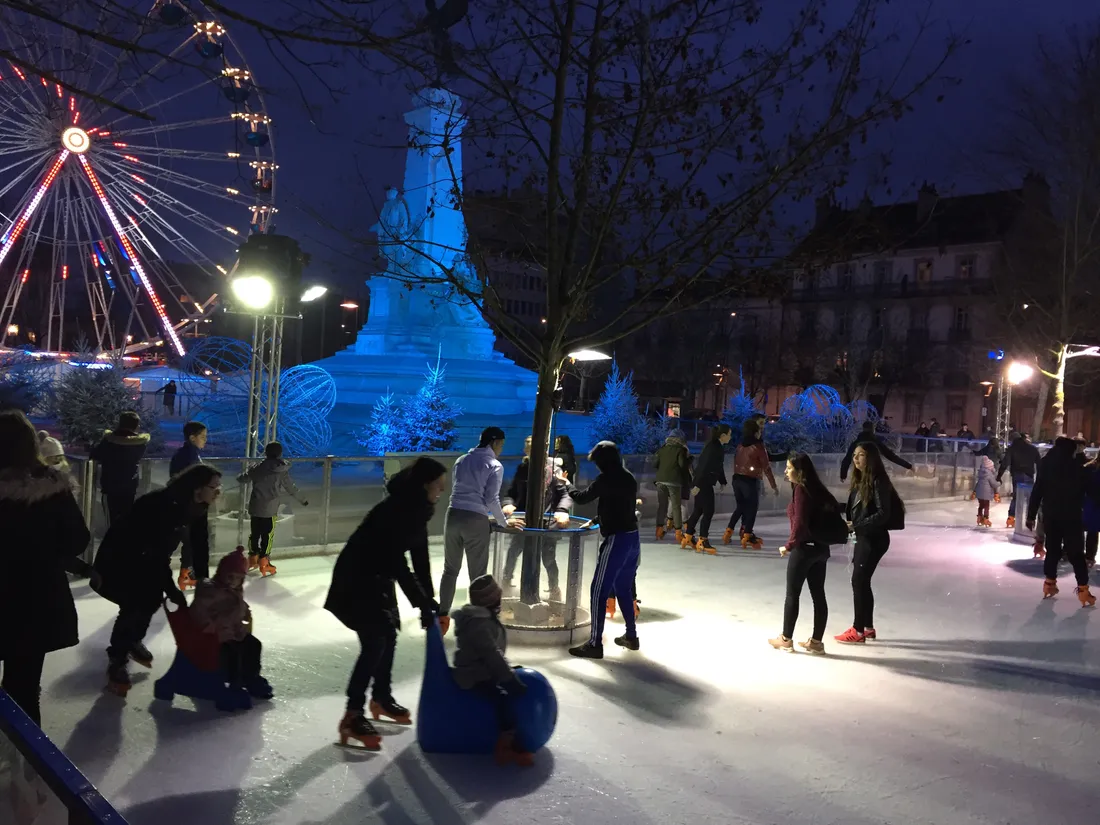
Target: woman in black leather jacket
<point x="870" y="505"/>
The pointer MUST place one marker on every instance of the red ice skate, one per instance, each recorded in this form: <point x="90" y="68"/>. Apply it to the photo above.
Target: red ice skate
<point x="118" y="680"/>
<point x="266" y="567"/>
<point x="660" y="532"/>
<point x="186" y="580"/>
<point x="727" y="537"/>
<point x="687" y="542"/>
<point x="679" y="536"/>
<point x="508" y="751"/>
<point x="1038" y="551"/>
<point x="355" y="726"/>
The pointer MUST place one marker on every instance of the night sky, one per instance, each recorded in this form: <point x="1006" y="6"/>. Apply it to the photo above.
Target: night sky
<point x="320" y="163"/>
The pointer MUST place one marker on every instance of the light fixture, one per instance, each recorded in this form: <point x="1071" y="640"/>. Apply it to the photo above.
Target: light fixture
<point x="349" y="305"/>
<point x="313" y="293"/>
<point x="589" y="355"/>
<point x="76" y="140"/>
<point x="1018" y="372"/>
<point x="254" y="291"/>
<point x="733" y="315"/>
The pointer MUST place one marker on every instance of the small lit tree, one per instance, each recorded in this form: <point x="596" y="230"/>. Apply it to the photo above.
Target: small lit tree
<point x="89" y="402"/>
<point x="386" y="432"/>
<point x="428" y="418"/>
<point x="616" y="417"/>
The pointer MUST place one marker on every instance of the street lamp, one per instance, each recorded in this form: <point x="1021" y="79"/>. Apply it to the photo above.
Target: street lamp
<point x="254" y="291"/>
<point x="585" y="355"/>
<point x="313" y="293"/>
<point x="1017" y="372"/>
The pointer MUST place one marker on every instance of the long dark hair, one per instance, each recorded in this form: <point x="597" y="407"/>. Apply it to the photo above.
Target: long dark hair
<point x="18" y="442"/>
<point x="864" y="481"/>
<point x="564" y="444"/>
<point x="194" y="478"/>
<point x="719" y="431"/>
<point x="750" y="431"/>
<point x="810" y="481"/>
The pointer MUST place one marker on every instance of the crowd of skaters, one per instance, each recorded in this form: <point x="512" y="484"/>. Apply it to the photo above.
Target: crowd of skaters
<point x="47" y="537"/>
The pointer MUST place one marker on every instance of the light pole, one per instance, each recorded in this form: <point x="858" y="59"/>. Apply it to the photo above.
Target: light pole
<point x="1011" y="375"/>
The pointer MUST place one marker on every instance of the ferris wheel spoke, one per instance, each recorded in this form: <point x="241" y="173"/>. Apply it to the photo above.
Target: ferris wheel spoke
<point x="175" y="126"/>
<point x="141" y="150"/>
<point x="136" y="83"/>
<point x="128" y="168"/>
<point x="33" y="163"/>
<point x="166" y="100"/>
<point x="153" y="195"/>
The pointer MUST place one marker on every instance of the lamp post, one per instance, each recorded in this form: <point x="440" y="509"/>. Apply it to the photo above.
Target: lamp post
<point x="586" y="356"/>
<point x="1013" y="374"/>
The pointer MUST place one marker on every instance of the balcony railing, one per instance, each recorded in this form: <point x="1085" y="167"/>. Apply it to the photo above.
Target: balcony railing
<point x="908" y="289"/>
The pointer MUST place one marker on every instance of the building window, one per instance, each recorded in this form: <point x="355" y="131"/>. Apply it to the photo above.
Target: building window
<point x="956" y="409"/>
<point x="843" y="323"/>
<point x="913" y="410"/>
<point x="878" y="319"/>
<point x="845" y="277"/>
<point x="962" y="319"/>
<point x="924" y="271"/>
<point x="966" y="266"/>
<point x="918" y="319"/>
<point x="808" y="330"/>
<point x="884" y="272"/>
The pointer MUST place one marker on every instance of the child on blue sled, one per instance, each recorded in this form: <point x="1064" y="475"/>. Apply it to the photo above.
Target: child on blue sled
<point x="219" y="608"/>
<point x="480" y="664"/>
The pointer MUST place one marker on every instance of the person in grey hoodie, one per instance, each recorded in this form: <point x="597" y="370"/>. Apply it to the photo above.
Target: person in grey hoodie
<point x="270" y="479"/>
<point x="480" y="663"/>
<point x="671" y="462"/>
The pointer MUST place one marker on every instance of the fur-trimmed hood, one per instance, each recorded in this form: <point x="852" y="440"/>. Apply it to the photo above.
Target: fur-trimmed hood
<point x="125" y="439"/>
<point x="31" y="487"/>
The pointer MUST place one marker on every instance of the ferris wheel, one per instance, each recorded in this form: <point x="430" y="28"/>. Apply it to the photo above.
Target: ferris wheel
<point x="129" y="175"/>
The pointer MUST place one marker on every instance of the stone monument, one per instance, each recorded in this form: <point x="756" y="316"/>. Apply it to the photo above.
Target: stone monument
<point x="414" y="315"/>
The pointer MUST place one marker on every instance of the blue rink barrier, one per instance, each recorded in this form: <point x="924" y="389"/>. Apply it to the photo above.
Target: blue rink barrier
<point x="38" y="784"/>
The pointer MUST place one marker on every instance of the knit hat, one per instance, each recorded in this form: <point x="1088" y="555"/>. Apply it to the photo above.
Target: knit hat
<point x="48" y="446"/>
<point x="485" y="592"/>
<point x="235" y="562"/>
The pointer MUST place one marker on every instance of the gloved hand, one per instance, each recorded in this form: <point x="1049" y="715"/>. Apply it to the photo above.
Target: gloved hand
<point x="177" y="598"/>
<point x="427" y="614"/>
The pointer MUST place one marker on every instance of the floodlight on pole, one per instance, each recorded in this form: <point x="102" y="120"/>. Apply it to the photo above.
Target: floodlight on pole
<point x="584" y="355"/>
<point x="254" y="291"/>
<point x="1018" y="372"/>
<point x="349" y="305"/>
<point x="313" y="293"/>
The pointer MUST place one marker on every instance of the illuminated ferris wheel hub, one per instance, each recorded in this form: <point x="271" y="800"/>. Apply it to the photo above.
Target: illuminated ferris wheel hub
<point x="118" y="235"/>
<point x="76" y="140"/>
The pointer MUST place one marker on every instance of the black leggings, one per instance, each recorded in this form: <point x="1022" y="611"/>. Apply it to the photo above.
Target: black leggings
<point x="130" y="628"/>
<point x="747" y="493"/>
<point x="868" y="552"/>
<point x="1069" y="538"/>
<point x="373" y="668"/>
<point x="23" y="681"/>
<point x="241" y="660"/>
<point x="1092" y="539"/>
<point x="701" y="513"/>
<point x="806" y="564"/>
<point x="260" y="536"/>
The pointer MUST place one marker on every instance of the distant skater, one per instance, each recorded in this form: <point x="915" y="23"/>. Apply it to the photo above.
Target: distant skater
<point x="985" y="489"/>
<point x="751" y="464"/>
<point x="270" y="481"/>
<point x="709" y="471"/>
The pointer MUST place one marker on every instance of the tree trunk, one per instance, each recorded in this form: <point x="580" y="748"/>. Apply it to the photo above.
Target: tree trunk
<point x="549" y="373"/>
<point x="1059" y="406"/>
<point x="1040" y="407"/>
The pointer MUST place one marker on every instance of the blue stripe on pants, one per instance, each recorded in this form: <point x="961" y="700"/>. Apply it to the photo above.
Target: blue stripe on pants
<point x="615" y="571"/>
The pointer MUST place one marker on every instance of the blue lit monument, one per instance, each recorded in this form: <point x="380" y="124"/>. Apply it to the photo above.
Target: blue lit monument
<point x="413" y="319"/>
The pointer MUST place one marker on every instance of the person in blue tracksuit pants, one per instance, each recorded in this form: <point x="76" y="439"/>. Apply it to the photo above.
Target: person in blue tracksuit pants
<point x="617" y="491"/>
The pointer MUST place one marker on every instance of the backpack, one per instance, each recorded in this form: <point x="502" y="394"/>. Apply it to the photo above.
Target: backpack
<point x="897" y="511"/>
<point x="827" y="526"/>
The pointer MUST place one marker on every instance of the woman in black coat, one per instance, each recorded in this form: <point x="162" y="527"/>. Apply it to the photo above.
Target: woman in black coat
<point x="563" y="449"/>
<point x="134" y="561"/>
<point x="43" y="535"/>
<point x="364" y="598"/>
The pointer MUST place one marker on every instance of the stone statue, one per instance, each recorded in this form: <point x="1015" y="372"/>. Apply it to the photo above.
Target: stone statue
<point x="395" y="229"/>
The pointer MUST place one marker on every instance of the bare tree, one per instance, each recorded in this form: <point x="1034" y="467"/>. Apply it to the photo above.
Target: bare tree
<point x="1052" y="278"/>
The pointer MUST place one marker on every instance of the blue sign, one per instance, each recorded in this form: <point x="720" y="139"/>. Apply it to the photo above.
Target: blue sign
<point x="996" y="355"/>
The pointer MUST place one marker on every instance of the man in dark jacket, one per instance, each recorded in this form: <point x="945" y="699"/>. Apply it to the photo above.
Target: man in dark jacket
<point x="670" y="462"/>
<point x="1059" y="494"/>
<point x="867" y="436"/>
<point x="134" y="562"/>
<point x="1021" y="459"/>
<point x="620" y="551"/>
<point x="193" y="567"/>
<point x="119" y="455"/>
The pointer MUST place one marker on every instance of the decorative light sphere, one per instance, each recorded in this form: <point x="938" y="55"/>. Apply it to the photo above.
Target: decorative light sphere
<point x="76" y="140"/>
<point x="254" y="291"/>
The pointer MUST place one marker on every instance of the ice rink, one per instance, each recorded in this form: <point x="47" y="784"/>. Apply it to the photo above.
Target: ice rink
<point x="979" y="704"/>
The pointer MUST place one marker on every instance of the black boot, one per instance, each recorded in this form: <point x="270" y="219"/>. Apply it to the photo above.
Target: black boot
<point x="587" y="651"/>
<point x="627" y="641"/>
<point x="259" y="688"/>
<point x="140" y="654"/>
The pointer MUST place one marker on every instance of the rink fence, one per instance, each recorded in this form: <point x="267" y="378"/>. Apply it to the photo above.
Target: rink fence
<point x="38" y="784"/>
<point x="341" y="490"/>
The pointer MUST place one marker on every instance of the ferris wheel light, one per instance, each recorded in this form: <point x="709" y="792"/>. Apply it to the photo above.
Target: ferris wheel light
<point x="254" y="291"/>
<point x="76" y="140"/>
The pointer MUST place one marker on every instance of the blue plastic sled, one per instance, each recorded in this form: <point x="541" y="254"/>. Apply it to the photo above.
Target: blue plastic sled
<point x="196" y="670"/>
<point x="453" y="720"/>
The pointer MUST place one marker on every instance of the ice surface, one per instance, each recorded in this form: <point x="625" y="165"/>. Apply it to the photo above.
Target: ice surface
<point x="980" y="704"/>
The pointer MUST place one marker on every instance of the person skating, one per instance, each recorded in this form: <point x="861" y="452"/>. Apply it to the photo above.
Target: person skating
<point x="481" y="643"/>
<point x="1091" y="511"/>
<point x="867" y="436"/>
<point x="709" y="470"/>
<point x="475" y="494"/>
<point x="965" y="432"/>
<point x="807" y="555"/>
<point x="134" y="562"/>
<point x="670" y="462"/>
<point x="985" y="489"/>
<point x="219" y="608"/>
<point x="270" y="480"/>
<point x="563" y="449"/>
<point x="620" y="550"/>
<point x="44" y="534"/>
<point x="192" y="569"/>
<point x="363" y="596"/>
<point x="750" y="465"/>
<point x="1059" y="494"/>
<point x="1021" y="460"/>
<point x="119" y="456"/>
<point x="871" y="514"/>
<point x="555" y="500"/>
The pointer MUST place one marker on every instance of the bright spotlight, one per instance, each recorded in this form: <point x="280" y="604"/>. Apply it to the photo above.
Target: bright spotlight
<point x="589" y="355"/>
<point x="254" y="291"/>
<point x="1018" y="372"/>
<point x="313" y="293"/>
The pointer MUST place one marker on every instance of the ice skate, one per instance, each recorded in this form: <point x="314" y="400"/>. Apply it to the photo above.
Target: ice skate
<point x="391" y="710"/>
<point x="609" y="608"/>
<point x="751" y="540"/>
<point x="986" y="523"/>
<point x="1038" y="551"/>
<point x="851" y="636"/>
<point x="1050" y="589"/>
<point x="637" y="608"/>
<point x="996" y="498"/>
<point x="660" y="532"/>
<point x="140" y="654"/>
<point x="259" y="688"/>
<point x="1010" y="522"/>
<point x="507" y="751"/>
<point x="587" y="651"/>
<point x="727" y="537"/>
<point x="687" y="542"/>
<point x="981" y="521"/>
<point x="355" y="726"/>
<point x="253" y="561"/>
<point x="631" y="642"/>
<point x="266" y="567"/>
<point x="118" y="680"/>
<point x="186" y="580"/>
<point x="1086" y="598"/>
<point x="554" y="595"/>
<point x="704" y="546"/>
<point x="669" y="524"/>
<point x="782" y="643"/>
<point x="679" y="536"/>
<point x="973" y="496"/>
<point x="813" y="647"/>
